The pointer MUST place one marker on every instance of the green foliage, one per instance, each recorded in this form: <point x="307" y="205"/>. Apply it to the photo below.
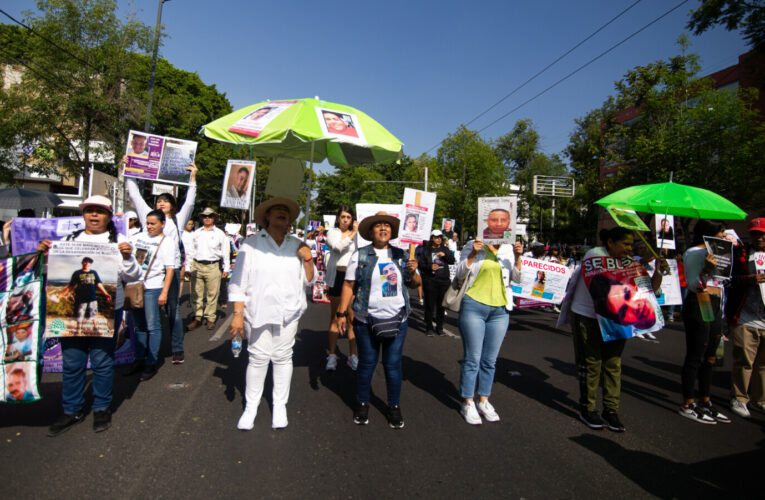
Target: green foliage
<point x="748" y="16"/>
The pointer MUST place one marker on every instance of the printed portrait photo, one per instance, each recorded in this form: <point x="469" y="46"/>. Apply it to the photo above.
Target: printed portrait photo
<point x="22" y="305"/>
<point x="411" y="222"/>
<point x="20" y="344"/>
<point x="389" y="278"/>
<point x="20" y="382"/>
<point x="137" y="145"/>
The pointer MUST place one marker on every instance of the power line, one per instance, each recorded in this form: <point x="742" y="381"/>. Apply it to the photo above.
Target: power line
<point x="585" y="65"/>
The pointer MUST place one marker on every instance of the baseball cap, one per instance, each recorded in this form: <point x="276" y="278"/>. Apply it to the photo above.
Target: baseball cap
<point x="436" y="232"/>
<point x="131" y="215"/>
<point x="757" y="224"/>
<point x="97" y="201"/>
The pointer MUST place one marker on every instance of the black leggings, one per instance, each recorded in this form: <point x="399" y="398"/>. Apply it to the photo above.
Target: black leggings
<point x="434" y="292"/>
<point x="701" y="340"/>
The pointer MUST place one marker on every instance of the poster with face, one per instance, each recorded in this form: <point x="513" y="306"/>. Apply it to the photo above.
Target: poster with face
<point x="255" y="121"/>
<point x="542" y="281"/>
<point x="624" y="301"/>
<point x="665" y="231"/>
<point x="417" y="216"/>
<point x="496" y="220"/>
<point x="364" y="210"/>
<point x="722" y="249"/>
<point x="28" y="232"/>
<point x="329" y="220"/>
<point x="237" y="184"/>
<point x="160" y="158"/>
<point x="22" y="304"/>
<point x="671" y="293"/>
<point x="340" y="125"/>
<point x="448" y="227"/>
<point x="20" y="382"/>
<point x="81" y="290"/>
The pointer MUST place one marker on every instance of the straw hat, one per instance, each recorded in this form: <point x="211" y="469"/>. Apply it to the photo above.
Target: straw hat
<point x="259" y="215"/>
<point x="366" y="225"/>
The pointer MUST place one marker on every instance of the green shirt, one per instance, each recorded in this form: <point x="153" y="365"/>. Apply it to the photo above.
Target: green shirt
<point x="488" y="288"/>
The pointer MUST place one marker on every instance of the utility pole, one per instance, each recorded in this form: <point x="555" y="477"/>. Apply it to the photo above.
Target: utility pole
<point x="153" y="77"/>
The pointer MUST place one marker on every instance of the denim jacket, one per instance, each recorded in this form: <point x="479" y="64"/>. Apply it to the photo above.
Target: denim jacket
<point x="366" y="266"/>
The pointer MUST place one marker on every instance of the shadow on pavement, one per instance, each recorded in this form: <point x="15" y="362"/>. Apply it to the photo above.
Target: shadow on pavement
<point x="532" y="384"/>
<point x="432" y="381"/>
<point x="310" y="347"/>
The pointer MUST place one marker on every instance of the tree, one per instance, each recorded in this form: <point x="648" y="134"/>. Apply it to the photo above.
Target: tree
<point x="749" y="16"/>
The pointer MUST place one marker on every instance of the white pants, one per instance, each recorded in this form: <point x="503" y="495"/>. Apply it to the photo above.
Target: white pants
<point x="270" y="343"/>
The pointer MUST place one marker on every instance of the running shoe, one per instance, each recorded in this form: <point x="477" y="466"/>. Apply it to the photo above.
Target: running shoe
<point x="696" y="414"/>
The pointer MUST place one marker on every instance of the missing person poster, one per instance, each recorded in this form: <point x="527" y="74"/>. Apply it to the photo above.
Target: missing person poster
<point x="671" y="293"/>
<point x="665" y="231"/>
<point x="255" y="121"/>
<point x="722" y="249"/>
<point x="237" y="184"/>
<point x="417" y="216"/>
<point x="624" y="301"/>
<point x="759" y="266"/>
<point x="627" y="219"/>
<point x="448" y="227"/>
<point x="542" y="281"/>
<point x="364" y="210"/>
<point x="82" y="288"/>
<point x="159" y="158"/>
<point x="496" y="220"/>
<point x="28" y="232"/>
<point x="340" y="125"/>
<point x="20" y="327"/>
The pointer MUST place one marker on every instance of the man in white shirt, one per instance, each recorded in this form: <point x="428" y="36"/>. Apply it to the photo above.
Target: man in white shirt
<point x="209" y="248"/>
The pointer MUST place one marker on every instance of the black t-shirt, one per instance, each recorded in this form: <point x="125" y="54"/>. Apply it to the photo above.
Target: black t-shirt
<point x="84" y="283"/>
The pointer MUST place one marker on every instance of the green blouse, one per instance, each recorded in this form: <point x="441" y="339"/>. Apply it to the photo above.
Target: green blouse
<point x="488" y="288"/>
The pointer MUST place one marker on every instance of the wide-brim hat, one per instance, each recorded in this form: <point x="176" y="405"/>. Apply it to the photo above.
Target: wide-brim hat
<point x="97" y="201"/>
<point x="259" y="215"/>
<point x="208" y="211"/>
<point x="366" y="225"/>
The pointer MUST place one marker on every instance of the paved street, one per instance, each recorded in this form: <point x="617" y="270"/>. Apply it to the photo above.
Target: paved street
<point x="175" y="436"/>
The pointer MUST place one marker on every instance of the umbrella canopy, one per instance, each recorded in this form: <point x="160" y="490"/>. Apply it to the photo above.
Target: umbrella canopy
<point x="674" y="199"/>
<point x="19" y="199"/>
<point x="309" y="130"/>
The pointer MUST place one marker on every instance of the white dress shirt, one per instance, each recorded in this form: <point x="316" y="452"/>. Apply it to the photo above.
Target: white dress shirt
<point x="270" y="280"/>
<point x="209" y="245"/>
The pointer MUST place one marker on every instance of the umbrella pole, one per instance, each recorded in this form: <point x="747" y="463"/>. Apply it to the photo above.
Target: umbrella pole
<point x="308" y="194"/>
<point x="640" y="235"/>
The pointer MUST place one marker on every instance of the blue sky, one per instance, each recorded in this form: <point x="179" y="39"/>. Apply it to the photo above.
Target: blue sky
<point x="421" y="68"/>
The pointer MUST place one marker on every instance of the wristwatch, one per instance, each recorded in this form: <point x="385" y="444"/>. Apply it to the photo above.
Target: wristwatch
<point x="341" y="314"/>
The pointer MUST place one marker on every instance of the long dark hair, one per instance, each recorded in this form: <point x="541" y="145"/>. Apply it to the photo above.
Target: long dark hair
<point x="705" y="228"/>
<point x="346" y="209"/>
<point x="170" y="199"/>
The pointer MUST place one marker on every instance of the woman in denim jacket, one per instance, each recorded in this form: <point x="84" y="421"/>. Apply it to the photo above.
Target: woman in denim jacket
<point x="380" y="275"/>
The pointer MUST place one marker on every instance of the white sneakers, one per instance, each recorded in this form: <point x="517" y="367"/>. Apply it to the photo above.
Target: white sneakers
<point x="353" y="362"/>
<point x="487" y="411"/>
<point x="279" y="418"/>
<point x="739" y="408"/>
<point x="331" y="363"/>
<point x="247" y="420"/>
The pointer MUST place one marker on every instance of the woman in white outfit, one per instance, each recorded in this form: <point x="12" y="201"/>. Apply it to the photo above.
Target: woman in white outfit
<point x="268" y="291"/>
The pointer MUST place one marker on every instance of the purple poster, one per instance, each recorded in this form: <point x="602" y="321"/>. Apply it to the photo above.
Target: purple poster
<point x="27" y="233"/>
<point x="144" y="153"/>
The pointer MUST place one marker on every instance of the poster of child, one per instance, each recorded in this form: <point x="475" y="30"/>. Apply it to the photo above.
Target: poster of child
<point x="21" y="342"/>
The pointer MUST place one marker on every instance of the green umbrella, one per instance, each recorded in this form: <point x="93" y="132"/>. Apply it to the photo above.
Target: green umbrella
<point x="308" y="129"/>
<point x="670" y="198"/>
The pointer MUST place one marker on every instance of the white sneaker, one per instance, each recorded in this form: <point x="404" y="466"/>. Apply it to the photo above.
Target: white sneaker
<point x="353" y="362"/>
<point x="279" y="418"/>
<point x="470" y="413"/>
<point x="487" y="411"/>
<point x="331" y="363"/>
<point x="739" y="408"/>
<point x="247" y="420"/>
<point x="641" y="336"/>
<point x="649" y="336"/>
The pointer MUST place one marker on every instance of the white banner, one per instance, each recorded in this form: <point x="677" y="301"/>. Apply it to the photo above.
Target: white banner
<point x="416" y="216"/>
<point x="542" y="281"/>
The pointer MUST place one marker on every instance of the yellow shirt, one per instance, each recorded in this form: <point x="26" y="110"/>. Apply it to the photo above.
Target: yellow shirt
<point x="488" y="288"/>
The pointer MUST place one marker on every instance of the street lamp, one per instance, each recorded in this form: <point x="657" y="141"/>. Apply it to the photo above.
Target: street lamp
<point x="153" y="76"/>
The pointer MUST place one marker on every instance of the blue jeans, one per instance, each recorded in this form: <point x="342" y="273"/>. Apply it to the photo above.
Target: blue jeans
<point x="482" y="328"/>
<point x="173" y="310"/>
<point x="369" y="348"/>
<point x="148" y="329"/>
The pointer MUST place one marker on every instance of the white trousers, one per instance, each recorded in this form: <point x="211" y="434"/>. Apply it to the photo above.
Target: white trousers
<point x="270" y="344"/>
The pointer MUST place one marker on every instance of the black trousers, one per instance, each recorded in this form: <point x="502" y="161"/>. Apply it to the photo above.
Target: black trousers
<point x="434" y="292"/>
<point x="701" y="340"/>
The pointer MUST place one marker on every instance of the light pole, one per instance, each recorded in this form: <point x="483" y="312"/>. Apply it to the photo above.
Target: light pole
<point x="153" y="76"/>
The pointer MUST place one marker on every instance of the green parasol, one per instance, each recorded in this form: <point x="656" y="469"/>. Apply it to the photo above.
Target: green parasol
<point x="670" y="198"/>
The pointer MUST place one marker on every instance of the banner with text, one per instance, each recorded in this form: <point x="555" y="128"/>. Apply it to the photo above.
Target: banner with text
<point x="542" y="281"/>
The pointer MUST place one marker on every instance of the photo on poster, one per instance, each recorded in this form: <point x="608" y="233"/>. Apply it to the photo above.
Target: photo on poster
<point x="177" y="156"/>
<point x="20" y="342"/>
<point x="22" y="304"/>
<point x="411" y="221"/>
<point x="448" y="227"/>
<point x="20" y="382"/>
<point x="255" y="121"/>
<point x="81" y="290"/>
<point x="388" y="279"/>
<point x="340" y="125"/>
<point x="26" y="268"/>
<point x="137" y="144"/>
<point x="496" y="219"/>
<point x="237" y="184"/>
<point x="665" y="231"/>
<point x="417" y="216"/>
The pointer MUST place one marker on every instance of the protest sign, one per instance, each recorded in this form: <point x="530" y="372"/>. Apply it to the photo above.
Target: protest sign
<point x="20" y="326"/>
<point x="364" y="210"/>
<point x="81" y="289"/>
<point x="285" y="178"/>
<point x="329" y="220"/>
<point x="253" y="123"/>
<point x="28" y="232"/>
<point x="232" y="228"/>
<point x="320" y="286"/>
<point x="665" y="231"/>
<point x="341" y="126"/>
<point x="671" y="293"/>
<point x="542" y="281"/>
<point x="237" y="184"/>
<point x="627" y="219"/>
<point x="759" y="266"/>
<point x="448" y="226"/>
<point x="417" y="216"/>
<point x="722" y="249"/>
<point x="496" y="220"/>
<point x="157" y="189"/>
<point x="251" y="229"/>
<point x="155" y="157"/>
<point x="623" y="298"/>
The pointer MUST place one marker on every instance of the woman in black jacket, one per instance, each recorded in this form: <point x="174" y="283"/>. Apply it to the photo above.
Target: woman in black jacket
<point x="433" y="263"/>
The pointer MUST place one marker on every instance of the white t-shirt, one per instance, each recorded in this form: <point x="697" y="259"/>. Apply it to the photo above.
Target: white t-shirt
<point x="386" y="297"/>
<point x="144" y="248"/>
<point x="582" y="302"/>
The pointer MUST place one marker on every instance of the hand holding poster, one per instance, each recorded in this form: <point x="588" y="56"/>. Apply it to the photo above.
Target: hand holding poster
<point x="624" y="301"/>
<point x="671" y="293"/>
<point x="158" y="158"/>
<point x="82" y="287"/>
<point x="417" y="214"/>
<point x="496" y="220"/>
<point x="237" y="184"/>
<point x="722" y="249"/>
<point x="542" y="281"/>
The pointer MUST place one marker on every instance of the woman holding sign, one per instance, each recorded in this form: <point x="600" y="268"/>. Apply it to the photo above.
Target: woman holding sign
<point x="483" y="321"/>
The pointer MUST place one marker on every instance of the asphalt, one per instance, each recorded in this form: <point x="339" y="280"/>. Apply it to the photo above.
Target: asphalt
<point x="175" y="436"/>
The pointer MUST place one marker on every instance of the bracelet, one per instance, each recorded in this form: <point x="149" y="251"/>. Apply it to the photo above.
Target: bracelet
<point x="238" y="312"/>
<point x="309" y="259"/>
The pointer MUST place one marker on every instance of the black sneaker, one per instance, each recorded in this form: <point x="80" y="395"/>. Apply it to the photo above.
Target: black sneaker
<point x="178" y="358"/>
<point x="64" y="422"/>
<point x="148" y="372"/>
<point x="429" y="333"/>
<point x="440" y="332"/>
<point x="361" y="414"/>
<point x="133" y="368"/>
<point x="395" y="420"/>
<point x="611" y="419"/>
<point x="712" y="412"/>
<point x="102" y="420"/>
<point x="591" y="419"/>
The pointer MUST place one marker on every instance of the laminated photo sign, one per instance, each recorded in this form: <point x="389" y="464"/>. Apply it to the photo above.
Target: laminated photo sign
<point x="237" y="184"/>
<point x="496" y="220"/>
<point x="416" y="216"/>
<point x="542" y="281"/>
<point x="158" y="158"/>
<point x="722" y="249"/>
<point x="665" y="231"/>
<point x="253" y="123"/>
